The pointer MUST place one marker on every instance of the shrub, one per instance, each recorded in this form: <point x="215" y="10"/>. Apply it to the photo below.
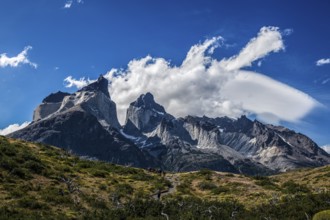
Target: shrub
<point x="99" y="173"/>
<point x="220" y="189"/>
<point x="8" y="164"/>
<point x="205" y="173"/>
<point x="27" y="156"/>
<point x="206" y="185"/>
<point x="84" y="164"/>
<point x="265" y="182"/>
<point x="124" y="189"/>
<point x="103" y="187"/>
<point x="292" y="187"/>
<point x="8" y="150"/>
<point x="17" y="193"/>
<point x="35" y="167"/>
<point x="142" y="176"/>
<point x="323" y="215"/>
<point x="31" y="203"/>
<point x="21" y="173"/>
<point x="56" y="196"/>
<point x="184" y="188"/>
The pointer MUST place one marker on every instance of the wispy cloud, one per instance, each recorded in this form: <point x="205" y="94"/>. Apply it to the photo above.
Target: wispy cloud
<point x="325" y="81"/>
<point x="202" y="85"/>
<point x="323" y="61"/>
<point x="269" y="39"/>
<point x="71" y="82"/>
<point x="68" y="4"/>
<point x="15" y="61"/>
<point x="287" y="32"/>
<point x="13" y="127"/>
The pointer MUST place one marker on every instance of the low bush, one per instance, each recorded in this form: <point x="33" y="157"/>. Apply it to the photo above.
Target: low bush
<point x="219" y="189"/>
<point x="265" y="182"/>
<point x="21" y="173"/>
<point x="291" y="187"/>
<point x="206" y="173"/>
<point x="184" y="188"/>
<point x="205" y="185"/>
<point x="323" y="215"/>
<point x="34" y="166"/>
<point x="124" y="189"/>
<point x="99" y="173"/>
<point x="31" y="203"/>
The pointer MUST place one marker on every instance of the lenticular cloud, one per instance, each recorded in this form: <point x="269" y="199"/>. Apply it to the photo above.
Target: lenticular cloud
<point x="203" y="85"/>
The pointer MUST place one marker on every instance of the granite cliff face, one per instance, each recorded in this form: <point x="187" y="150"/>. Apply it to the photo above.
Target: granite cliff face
<point x="277" y="148"/>
<point x="236" y="145"/>
<point x="145" y="113"/>
<point x="86" y="123"/>
<point x="49" y="105"/>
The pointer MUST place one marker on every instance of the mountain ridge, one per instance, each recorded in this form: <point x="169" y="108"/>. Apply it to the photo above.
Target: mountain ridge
<point x="155" y="138"/>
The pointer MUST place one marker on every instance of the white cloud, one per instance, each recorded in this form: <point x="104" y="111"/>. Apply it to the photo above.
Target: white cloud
<point x="13" y="127"/>
<point x="326" y="148"/>
<point x="269" y="39"/>
<point x="82" y="82"/>
<point x="202" y="85"/>
<point x="68" y="4"/>
<point x="269" y="99"/>
<point x="15" y="61"/>
<point x="321" y="62"/>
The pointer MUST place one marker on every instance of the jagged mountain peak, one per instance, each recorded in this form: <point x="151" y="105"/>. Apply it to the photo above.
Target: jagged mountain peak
<point x="147" y="101"/>
<point x="86" y="121"/>
<point x="100" y="85"/>
<point x="244" y="120"/>
<point x="145" y="113"/>
<point x="55" y="97"/>
<point x="94" y="98"/>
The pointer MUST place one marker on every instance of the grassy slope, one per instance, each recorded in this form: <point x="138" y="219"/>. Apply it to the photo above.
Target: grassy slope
<point x="253" y="191"/>
<point x="49" y="180"/>
<point x="38" y="181"/>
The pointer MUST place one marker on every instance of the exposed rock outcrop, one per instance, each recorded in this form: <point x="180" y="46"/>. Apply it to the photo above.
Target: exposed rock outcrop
<point x="85" y="123"/>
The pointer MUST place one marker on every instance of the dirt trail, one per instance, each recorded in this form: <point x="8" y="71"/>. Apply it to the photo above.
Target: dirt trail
<point x="174" y="179"/>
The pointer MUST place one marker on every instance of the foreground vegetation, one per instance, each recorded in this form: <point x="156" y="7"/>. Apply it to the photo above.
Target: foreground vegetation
<point x="43" y="182"/>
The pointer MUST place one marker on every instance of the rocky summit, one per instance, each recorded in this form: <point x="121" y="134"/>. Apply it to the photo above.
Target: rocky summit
<point x="86" y="123"/>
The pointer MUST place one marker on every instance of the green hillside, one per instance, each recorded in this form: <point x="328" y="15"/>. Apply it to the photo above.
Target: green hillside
<point x="44" y="182"/>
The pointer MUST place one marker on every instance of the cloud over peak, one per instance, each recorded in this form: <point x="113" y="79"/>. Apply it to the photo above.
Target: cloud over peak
<point x="12" y="128"/>
<point x="322" y="62"/>
<point x="326" y="148"/>
<point x="15" y="61"/>
<point x="203" y="85"/>
<point x="79" y="83"/>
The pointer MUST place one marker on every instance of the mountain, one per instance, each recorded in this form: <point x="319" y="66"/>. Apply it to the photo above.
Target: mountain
<point x="45" y="182"/>
<point x="86" y="123"/>
<point x="275" y="147"/>
<point x="233" y="145"/>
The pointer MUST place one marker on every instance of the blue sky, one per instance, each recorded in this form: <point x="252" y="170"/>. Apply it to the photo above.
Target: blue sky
<point x="91" y="37"/>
